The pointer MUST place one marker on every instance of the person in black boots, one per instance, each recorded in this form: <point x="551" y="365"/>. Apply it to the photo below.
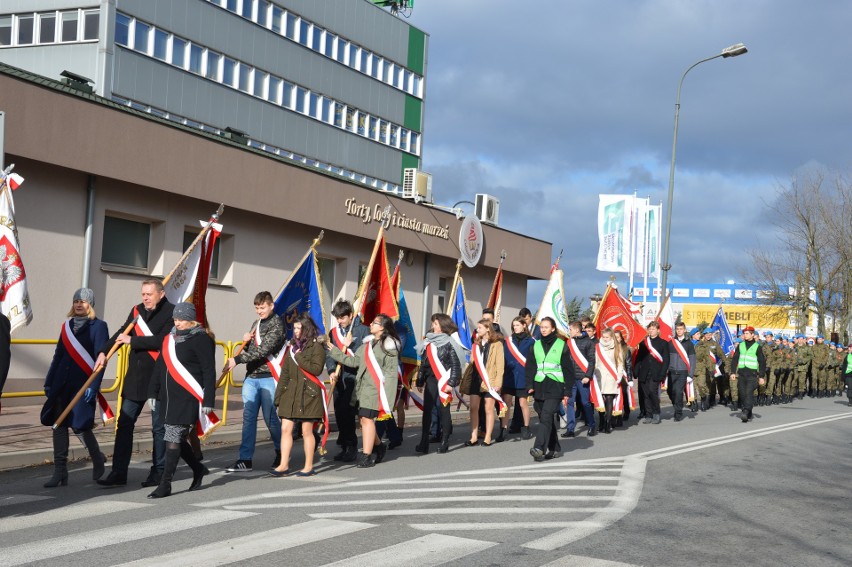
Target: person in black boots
<point x="681" y="368"/>
<point x="153" y="324"/>
<point x="183" y="384"/>
<point x="517" y="348"/>
<point x="749" y="370"/>
<point x="440" y="372"/>
<point x="581" y="347"/>
<point x="652" y="363"/>
<point x="81" y="336"/>
<point x="550" y="378"/>
<point x="343" y="378"/>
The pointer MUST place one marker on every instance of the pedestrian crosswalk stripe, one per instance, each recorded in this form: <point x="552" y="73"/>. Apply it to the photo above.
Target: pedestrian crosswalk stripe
<point x="248" y="546"/>
<point x="15" y="499"/>
<point x="426" y="551"/>
<point x="579" y="561"/>
<point x="76" y="512"/>
<point x="66" y="545"/>
<point x="459" y="480"/>
<point x="451" y="512"/>
<point x="415" y="500"/>
<point x="466" y="526"/>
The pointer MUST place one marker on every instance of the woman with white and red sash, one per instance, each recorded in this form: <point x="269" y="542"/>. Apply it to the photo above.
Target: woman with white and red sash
<point x="609" y="371"/>
<point x="517" y="348"/>
<point x="183" y="388"/>
<point x="300" y="395"/>
<point x="377" y="361"/>
<point x="80" y="338"/>
<point x="628" y="394"/>
<point x="441" y="359"/>
<point x="483" y="379"/>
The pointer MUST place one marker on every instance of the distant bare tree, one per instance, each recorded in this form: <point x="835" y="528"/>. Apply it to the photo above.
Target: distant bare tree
<point x="810" y="269"/>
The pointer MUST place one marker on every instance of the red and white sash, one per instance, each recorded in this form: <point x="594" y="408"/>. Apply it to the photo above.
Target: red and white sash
<point x="317" y="382"/>
<point x="86" y="363"/>
<point x="273" y="361"/>
<point x="337" y="337"/>
<point x="483" y="375"/>
<point x="681" y="352"/>
<point x="515" y="352"/>
<point x="178" y="372"/>
<point x="715" y="362"/>
<point x="445" y="392"/>
<point x="140" y="329"/>
<point x="652" y="351"/>
<point x="689" y="390"/>
<point x="374" y="369"/>
<point x="577" y="356"/>
<point x="618" y="402"/>
<point x="595" y="387"/>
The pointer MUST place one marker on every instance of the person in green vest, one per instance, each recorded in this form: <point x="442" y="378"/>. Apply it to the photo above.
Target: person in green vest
<point x="550" y="378"/>
<point x="748" y="367"/>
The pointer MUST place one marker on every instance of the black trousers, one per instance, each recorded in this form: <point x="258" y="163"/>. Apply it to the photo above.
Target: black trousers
<point x="746" y="384"/>
<point x="677" y="383"/>
<point x="651" y="393"/>
<point x="345" y="414"/>
<point x="130" y="411"/>
<point x="546" y="437"/>
<point x="431" y="400"/>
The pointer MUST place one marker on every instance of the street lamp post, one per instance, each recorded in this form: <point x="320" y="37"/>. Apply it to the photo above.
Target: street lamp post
<point x="732" y="51"/>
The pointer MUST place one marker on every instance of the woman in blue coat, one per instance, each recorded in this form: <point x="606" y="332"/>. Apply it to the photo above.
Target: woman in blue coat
<point x="81" y="337"/>
<point x="518" y="347"/>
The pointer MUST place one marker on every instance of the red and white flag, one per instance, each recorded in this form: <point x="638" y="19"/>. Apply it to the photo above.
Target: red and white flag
<point x="666" y="319"/>
<point x="495" y="298"/>
<point x="14" y="296"/>
<point x="106" y="412"/>
<point x="190" y="277"/>
<point x="615" y="312"/>
<point x="376" y="294"/>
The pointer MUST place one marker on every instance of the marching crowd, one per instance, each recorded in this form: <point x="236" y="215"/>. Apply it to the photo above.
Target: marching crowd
<point x="592" y="375"/>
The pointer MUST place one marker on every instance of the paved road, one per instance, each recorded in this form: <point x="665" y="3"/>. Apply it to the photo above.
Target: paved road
<point x="707" y="491"/>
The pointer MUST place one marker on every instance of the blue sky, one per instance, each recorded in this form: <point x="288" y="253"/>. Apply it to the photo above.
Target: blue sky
<point x="548" y="104"/>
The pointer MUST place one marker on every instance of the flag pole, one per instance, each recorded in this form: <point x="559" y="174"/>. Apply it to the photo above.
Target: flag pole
<point x="129" y="327"/>
<point x="451" y="303"/>
<point x="242" y="345"/>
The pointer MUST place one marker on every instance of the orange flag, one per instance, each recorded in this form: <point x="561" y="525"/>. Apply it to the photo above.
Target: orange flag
<point x="377" y="293"/>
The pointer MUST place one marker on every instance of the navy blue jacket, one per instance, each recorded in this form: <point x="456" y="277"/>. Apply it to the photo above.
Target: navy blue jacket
<point x="514" y="374"/>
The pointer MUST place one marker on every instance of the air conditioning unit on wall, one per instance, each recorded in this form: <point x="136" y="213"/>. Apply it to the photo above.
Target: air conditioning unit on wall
<point x="416" y="185"/>
<point x="487" y="208"/>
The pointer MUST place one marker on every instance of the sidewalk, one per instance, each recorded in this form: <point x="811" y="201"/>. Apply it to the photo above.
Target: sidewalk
<point x="25" y="442"/>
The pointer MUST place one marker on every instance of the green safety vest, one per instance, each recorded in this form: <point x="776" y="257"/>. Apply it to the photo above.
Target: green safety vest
<point x="549" y="365"/>
<point x="849" y="363"/>
<point x="748" y="357"/>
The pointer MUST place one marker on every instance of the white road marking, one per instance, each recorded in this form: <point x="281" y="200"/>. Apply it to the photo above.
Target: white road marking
<point x="248" y="546"/>
<point x="66" y="545"/>
<point x="76" y="512"/>
<point x="426" y="551"/>
<point x="422" y="500"/>
<point x="452" y="512"/>
<point x="14" y="499"/>
<point x="579" y="561"/>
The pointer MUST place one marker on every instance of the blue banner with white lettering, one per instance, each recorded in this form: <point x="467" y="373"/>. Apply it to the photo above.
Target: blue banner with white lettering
<point x="459" y="316"/>
<point x="726" y="339"/>
<point x="301" y="295"/>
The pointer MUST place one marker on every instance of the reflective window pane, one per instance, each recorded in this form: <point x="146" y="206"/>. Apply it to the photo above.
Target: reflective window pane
<point x="338" y="115"/>
<point x="178" y="52"/>
<point x="125" y="243"/>
<point x="277" y="14"/>
<point x="47" y="28"/>
<point x="5" y="30"/>
<point x="247" y="7"/>
<point x="316" y="42"/>
<point x="26" y="29"/>
<point x="286" y="94"/>
<point x="259" y="83"/>
<point x="140" y="40"/>
<point x="290" y="27"/>
<point x="229" y="67"/>
<point x="313" y="105"/>
<point x="122" y="29"/>
<point x="69" y="26"/>
<point x="161" y="42"/>
<point x="195" y="53"/>
<point x="304" y="32"/>
<point x="300" y="99"/>
<point x="342" y="48"/>
<point x="274" y="87"/>
<point x="245" y="77"/>
<point x="91" y="19"/>
<point x="329" y="44"/>
<point x="213" y="65"/>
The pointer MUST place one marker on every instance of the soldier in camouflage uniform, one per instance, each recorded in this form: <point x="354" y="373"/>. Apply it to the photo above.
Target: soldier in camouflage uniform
<point x="803" y="358"/>
<point x="837" y="358"/>
<point x="819" y="368"/>
<point x="773" y="379"/>
<point x="731" y="389"/>
<point x="717" y="370"/>
<point x="788" y="386"/>
<point x="768" y="348"/>
<point x="702" y="370"/>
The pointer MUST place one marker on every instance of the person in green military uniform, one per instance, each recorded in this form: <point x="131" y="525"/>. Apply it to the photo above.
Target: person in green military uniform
<point x="773" y="378"/>
<point x="838" y="356"/>
<point x="803" y="357"/>
<point x="768" y="348"/>
<point x="789" y="377"/>
<point x="731" y="388"/>
<point x="819" y="371"/>
<point x="702" y="370"/>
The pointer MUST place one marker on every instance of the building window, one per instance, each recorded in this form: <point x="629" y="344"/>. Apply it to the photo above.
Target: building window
<point x="383" y="131"/>
<point x="161" y="44"/>
<point x="314" y="105"/>
<point x="47" y="28"/>
<point x="247" y="9"/>
<point x="189" y="237"/>
<point x="5" y="30"/>
<point x="274" y="86"/>
<point x="304" y="32"/>
<point x="350" y="119"/>
<point x="342" y="48"/>
<point x="126" y="243"/>
<point x="362" y="124"/>
<point x="140" y="37"/>
<point x="195" y="55"/>
<point x="277" y="14"/>
<point x="245" y="77"/>
<point x="213" y="65"/>
<point x="290" y="26"/>
<point x="300" y="99"/>
<point x="286" y="94"/>
<point x="354" y="54"/>
<point x="403" y="139"/>
<point x="441" y="296"/>
<point x="231" y="5"/>
<point x="329" y="44"/>
<point x="26" y="28"/>
<point x="338" y="115"/>
<point x="178" y="52"/>
<point x="316" y="40"/>
<point x="229" y="67"/>
<point x="122" y="30"/>
<point x="262" y="12"/>
<point x="326" y="110"/>
<point x="91" y="20"/>
<point x="415" y="138"/>
<point x="259" y="83"/>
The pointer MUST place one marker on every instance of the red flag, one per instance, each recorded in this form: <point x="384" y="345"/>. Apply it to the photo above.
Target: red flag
<point x="614" y="312"/>
<point x="192" y="274"/>
<point x="377" y="293"/>
<point x="496" y="296"/>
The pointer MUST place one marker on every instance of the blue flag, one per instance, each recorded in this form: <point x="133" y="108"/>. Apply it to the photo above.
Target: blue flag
<point x="459" y="316"/>
<point x="301" y="295"/>
<point x="405" y="330"/>
<point x="726" y="339"/>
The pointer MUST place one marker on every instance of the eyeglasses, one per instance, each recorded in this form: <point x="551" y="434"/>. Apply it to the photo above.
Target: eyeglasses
<point x="375" y="323"/>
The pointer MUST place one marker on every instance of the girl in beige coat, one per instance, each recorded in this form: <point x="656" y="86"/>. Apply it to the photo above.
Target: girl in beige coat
<point x="609" y="371"/>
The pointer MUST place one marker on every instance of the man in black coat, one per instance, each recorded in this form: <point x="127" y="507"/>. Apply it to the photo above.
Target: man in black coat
<point x="582" y="349"/>
<point x="681" y="368"/>
<point x="145" y="340"/>
<point x="652" y="363"/>
<point x="5" y="350"/>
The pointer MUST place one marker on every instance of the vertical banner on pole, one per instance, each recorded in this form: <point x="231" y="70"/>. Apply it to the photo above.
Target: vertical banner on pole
<point x="614" y="214"/>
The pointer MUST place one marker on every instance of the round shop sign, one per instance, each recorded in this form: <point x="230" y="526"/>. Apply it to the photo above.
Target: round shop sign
<point x="471" y="240"/>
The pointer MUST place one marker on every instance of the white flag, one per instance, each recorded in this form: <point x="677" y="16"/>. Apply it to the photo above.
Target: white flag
<point x="181" y="286"/>
<point x="14" y="297"/>
<point x="615" y="214"/>
<point x="553" y="303"/>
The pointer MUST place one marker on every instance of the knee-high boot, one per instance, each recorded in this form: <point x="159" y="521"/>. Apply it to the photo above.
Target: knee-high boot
<point x="198" y="469"/>
<point x="60" y="459"/>
<point x="172" y="457"/>
<point x="87" y="438"/>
